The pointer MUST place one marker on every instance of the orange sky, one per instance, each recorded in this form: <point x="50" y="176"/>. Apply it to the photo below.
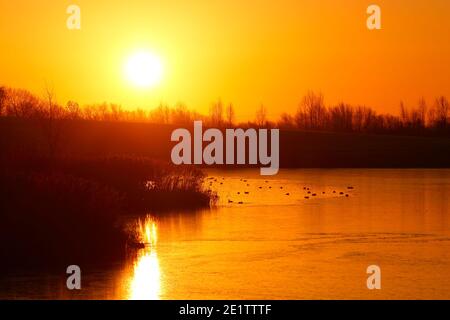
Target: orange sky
<point x="245" y="52"/>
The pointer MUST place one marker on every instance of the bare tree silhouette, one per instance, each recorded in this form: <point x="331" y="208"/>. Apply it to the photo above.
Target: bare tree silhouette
<point x="261" y="116"/>
<point x="442" y="112"/>
<point x="216" y="114"/>
<point x="2" y="99"/>
<point x="230" y="115"/>
<point x="52" y="128"/>
<point x="161" y="114"/>
<point x="21" y="103"/>
<point x="73" y="109"/>
<point x="312" y="114"/>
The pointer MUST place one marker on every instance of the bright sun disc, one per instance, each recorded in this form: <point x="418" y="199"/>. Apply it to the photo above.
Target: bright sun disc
<point x="144" y="69"/>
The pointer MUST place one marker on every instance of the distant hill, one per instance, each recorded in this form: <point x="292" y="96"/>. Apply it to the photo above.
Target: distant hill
<point x="297" y="148"/>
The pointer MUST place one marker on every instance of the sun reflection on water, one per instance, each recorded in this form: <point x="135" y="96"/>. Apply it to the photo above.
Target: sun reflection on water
<point x="145" y="283"/>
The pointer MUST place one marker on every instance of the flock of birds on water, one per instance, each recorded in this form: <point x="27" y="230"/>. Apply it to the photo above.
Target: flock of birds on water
<point x="309" y="192"/>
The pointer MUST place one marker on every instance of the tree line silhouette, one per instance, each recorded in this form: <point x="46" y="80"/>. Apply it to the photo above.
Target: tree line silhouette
<point x="312" y="114"/>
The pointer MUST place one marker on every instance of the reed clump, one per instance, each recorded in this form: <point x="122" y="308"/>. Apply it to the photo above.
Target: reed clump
<point x="61" y="211"/>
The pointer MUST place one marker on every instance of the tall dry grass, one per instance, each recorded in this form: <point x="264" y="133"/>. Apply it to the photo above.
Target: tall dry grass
<point x="60" y="211"/>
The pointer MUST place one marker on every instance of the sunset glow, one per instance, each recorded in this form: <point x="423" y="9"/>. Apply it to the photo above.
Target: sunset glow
<point x="233" y="150"/>
<point x="243" y="53"/>
<point x="144" y="69"/>
<point x="145" y="282"/>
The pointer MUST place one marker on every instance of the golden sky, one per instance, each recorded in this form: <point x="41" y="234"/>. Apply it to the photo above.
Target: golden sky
<point x="245" y="52"/>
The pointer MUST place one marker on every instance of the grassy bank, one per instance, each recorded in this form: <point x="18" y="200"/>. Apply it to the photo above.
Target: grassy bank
<point x="64" y="210"/>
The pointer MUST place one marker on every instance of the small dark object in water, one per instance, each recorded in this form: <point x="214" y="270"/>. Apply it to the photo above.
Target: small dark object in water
<point x="346" y="195"/>
<point x="309" y="192"/>
<point x="281" y="187"/>
<point x="240" y="202"/>
<point x="341" y="193"/>
<point x="304" y="188"/>
<point x="245" y="180"/>
<point x="221" y="183"/>
<point x="248" y="185"/>
<point x="306" y="197"/>
<point x="260" y="187"/>
<point x="350" y="188"/>
<point x="238" y="192"/>
<point x="314" y="194"/>
<point x="136" y="245"/>
<point x="287" y="193"/>
<point x="334" y="191"/>
<point x="246" y="192"/>
<point x="230" y="201"/>
<point x="323" y="192"/>
<point x="270" y="187"/>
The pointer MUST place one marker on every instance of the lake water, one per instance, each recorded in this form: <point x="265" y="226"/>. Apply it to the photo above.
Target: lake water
<point x="277" y="244"/>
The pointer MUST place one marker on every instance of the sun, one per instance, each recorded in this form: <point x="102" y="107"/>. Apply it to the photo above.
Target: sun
<point x="144" y="69"/>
